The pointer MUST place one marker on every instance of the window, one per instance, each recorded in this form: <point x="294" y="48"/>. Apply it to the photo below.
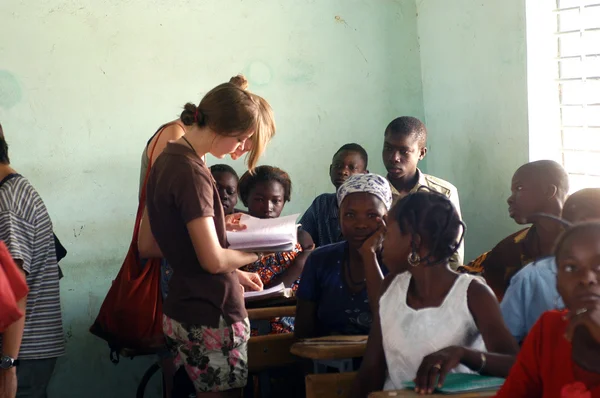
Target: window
<point x="577" y="75"/>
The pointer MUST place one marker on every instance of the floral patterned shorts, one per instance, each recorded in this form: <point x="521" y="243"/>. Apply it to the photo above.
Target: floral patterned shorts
<point x="215" y="359"/>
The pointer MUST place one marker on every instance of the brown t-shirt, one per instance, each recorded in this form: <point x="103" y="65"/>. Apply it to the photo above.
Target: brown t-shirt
<point x="181" y="189"/>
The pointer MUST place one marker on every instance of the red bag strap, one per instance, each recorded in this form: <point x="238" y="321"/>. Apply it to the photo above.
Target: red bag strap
<point x="142" y="202"/>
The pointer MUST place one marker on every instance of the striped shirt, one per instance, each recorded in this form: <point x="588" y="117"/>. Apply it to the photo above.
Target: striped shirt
<point x="321" y="220"/>
<point x="26" y="229"/>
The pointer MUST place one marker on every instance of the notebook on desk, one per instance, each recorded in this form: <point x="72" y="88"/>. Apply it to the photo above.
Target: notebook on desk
<point x="457" y="383"/>
<point x="265" y="235"/>
<point x="338" y="340"/>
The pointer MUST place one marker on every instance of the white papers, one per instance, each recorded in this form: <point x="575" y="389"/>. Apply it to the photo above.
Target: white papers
<point x="275" y="291"/>
<point x="265" y="235"/>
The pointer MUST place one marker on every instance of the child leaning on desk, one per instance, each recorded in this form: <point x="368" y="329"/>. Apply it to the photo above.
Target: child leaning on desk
<point x="431" y="321"/>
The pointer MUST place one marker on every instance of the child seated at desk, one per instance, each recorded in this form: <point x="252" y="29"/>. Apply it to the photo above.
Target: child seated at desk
<point x="321" y="219"/>
<point x="265" y="193"/>
<point x="537" y="187"/>
<point x="340" y="282"/>
<point x="431" y="320"/>
<point x="532" y="290"/>
<point x="560" y="356"/>
<point x="227" y="184"/>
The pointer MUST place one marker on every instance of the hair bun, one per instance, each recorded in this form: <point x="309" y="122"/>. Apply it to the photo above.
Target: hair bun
<point x="240" y="81"/>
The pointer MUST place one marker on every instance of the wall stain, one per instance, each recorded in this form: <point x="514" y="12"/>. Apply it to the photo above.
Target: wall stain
<point x="299" y="71"/>
<point x="10" y="90"/>
<point x="361" y="53"/>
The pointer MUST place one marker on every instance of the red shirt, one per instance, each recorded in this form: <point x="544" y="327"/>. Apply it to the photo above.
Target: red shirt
<point x="544" y="367"/>
<point x="12" y="289"/>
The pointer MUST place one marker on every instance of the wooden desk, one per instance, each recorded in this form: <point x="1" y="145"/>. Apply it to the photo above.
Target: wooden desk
<point x="329" y="349"/>
<point x="411" y="393"/>
<point x="255" y="314"/>
<point x="271" y="302"/>
<point x="328" y="353"/>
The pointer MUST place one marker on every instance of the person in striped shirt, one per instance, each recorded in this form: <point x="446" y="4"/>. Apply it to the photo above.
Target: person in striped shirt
<point x="29" y="347"/>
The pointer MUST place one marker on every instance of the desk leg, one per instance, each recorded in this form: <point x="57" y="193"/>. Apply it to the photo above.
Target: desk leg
<point x="342" y="365"/>
<point x="264" y="384"/>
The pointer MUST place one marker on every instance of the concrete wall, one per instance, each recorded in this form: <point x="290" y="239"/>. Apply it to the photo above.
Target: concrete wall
<point x="474" y="72"/>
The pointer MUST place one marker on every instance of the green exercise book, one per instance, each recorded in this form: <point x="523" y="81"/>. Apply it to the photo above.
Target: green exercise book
<point x="465" y="382"/>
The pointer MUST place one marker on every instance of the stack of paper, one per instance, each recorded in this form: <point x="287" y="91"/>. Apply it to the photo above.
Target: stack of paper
<point x="265" y="235"/>
<point x="275" y="291"/>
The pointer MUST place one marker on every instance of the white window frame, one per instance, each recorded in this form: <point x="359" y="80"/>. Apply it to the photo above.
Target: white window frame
<point x="551" y="133"/>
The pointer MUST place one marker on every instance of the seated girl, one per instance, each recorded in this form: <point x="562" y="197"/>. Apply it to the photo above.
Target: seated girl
<point x="265" y="193"/>
<point x="431" y="321"/>
<point x="340" y="284"/>
<point x="227" y="185"/>
<point x="560" y="355"/>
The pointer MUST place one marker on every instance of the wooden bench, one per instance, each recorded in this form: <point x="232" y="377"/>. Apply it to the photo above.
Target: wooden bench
<point x="411" y="393"/>
<point x="332" y="385"/>
<point x="269" y="351"/>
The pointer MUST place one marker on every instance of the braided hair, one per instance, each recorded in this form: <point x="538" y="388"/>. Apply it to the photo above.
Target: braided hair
<point x="433" y="217"/>
<point x="585" y="227"/>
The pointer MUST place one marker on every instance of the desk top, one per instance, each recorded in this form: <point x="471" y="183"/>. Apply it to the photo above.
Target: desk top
<point x="270" y="312"/>
<point x="272" y="302"/>
<point x="411" y="393"/>
<point x="329" y="348"/>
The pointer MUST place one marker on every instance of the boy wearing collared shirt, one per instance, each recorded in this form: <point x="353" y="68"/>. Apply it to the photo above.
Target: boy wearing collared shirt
<point x="405" y="144"/>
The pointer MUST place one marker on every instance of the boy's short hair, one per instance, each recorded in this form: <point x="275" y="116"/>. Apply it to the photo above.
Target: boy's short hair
<point x="223" y="168"/>
<point x="353" y="147"/>
<point x="408" y="125"/>
<point x="551" y="172"/>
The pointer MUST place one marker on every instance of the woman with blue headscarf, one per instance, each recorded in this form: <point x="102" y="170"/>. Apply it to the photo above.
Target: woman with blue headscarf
<point x="340" y="282"/>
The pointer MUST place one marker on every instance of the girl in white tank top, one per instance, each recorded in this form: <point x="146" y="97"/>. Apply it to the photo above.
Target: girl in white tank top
<point x="431" y="320"/>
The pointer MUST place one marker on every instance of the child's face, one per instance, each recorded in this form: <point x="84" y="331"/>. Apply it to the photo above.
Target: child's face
<point x="266" y="200"/>
<point x="396" y="246"/>
<point x="227" y="185"/>
<point x="401" y="154"/>
<point x="578" y="278"/>
<point x="360" y="214"/>
<point x="345" y="164"/>
<point x="527" y="196"/>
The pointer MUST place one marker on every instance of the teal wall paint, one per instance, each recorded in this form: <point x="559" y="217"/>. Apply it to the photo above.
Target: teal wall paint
<point x="474" y="73"/>
<point x="84" y="84"/>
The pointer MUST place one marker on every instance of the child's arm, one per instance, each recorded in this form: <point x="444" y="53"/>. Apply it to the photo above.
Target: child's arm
<point x="373" y="274"/>
<point x="500" y="343"/>
<point x="292" y="274"/>
<point x="371" y="375"/>
<point x="307" y="306"/>
<point x="309" y="221"/>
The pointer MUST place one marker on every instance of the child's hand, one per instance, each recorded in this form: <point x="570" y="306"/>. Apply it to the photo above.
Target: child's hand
<point x="588" y="317"/>
<point x="232" y="222"/>
<point x="250" y="281"/>
<point x="373" y="243"/>
<point x="435" y="367"/>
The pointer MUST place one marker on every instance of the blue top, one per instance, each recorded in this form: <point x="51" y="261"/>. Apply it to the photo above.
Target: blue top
<point x="339" y="311"/>
<point x="532" y="291"/>
<point x="321" y="220"/>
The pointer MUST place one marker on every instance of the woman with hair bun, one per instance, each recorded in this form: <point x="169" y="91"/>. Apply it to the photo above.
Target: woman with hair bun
<point x="205" y="321"/>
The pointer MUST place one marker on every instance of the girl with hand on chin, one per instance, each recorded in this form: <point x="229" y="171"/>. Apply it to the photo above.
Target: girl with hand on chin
<point x="560" y="356"/>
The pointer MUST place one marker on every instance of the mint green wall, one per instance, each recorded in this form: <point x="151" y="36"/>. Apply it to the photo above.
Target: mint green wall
<point x="83" y="85"/>
<point x="473" y="64"/>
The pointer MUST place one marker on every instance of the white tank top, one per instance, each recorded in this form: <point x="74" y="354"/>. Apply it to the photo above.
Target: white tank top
<point x="409" y="335"/>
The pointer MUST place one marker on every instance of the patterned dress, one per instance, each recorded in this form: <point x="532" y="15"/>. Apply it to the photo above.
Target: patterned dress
<point x="500" y="264"/>
<point x="268" y="268"/>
